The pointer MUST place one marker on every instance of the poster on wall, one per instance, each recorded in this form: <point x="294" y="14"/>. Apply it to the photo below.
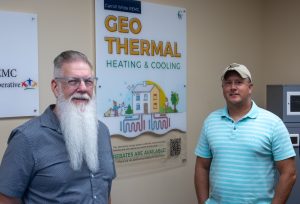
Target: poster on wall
<point x="18" y="65"/>
<point x="141" y="87"/>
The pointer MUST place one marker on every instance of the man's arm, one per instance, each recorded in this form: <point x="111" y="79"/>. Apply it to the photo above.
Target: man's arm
<point x="8" y="200"/>
<point x="287" y="178"/>
<point x="201" y="179"/>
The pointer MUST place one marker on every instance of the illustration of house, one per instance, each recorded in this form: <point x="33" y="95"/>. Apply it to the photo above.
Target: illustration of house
<point x="145" y="99"/>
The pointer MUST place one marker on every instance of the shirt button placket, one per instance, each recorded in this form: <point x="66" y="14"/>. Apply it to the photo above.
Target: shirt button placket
<point x="92" y="178"/>
<point x="234" y="131"/>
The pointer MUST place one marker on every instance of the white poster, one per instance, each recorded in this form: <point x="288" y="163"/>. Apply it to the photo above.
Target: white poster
<point x="141" y="87"/>
<point x="18" y="65"/>
<point x="141" y="67"/>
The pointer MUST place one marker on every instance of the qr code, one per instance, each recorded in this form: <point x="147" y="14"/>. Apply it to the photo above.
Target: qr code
<point x="175" y="147"/>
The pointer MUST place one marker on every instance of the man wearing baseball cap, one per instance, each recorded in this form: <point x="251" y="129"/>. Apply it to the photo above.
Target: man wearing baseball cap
<point x="240" y="69"/>
<point x="241" y="148"/>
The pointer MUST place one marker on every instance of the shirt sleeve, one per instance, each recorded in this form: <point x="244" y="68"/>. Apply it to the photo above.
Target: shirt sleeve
<point x="107" y="155"/>
<point x="202" y="148"/>
<point x="281" y="143"/>
<point x="16" y="166"/>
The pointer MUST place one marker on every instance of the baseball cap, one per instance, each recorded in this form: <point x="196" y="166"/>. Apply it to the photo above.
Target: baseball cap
<point x="239" y="68"/>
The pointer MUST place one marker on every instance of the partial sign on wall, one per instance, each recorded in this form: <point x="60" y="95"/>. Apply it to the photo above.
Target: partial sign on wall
<point x="141" y="71"/>
<point x="18" y="65"/>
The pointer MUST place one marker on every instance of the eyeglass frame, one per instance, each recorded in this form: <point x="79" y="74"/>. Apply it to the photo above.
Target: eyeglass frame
<point x="76" y="81"/>
<point x="236" y="83"/>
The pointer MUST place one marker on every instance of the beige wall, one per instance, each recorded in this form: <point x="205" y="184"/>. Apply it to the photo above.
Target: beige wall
<point x="281" y="62"/>
<point x="263" y="35"/>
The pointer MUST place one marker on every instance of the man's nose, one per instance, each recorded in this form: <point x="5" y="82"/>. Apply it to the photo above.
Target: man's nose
<point x="233" y="85"/>
<point x="82" y="86"/>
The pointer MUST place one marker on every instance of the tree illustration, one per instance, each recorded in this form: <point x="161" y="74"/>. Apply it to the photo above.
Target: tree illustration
<point x="129" y="110"/>
<point x="174" y="100"/>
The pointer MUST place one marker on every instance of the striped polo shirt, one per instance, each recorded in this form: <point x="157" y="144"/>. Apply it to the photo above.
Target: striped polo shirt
<point x="243" y="155"/>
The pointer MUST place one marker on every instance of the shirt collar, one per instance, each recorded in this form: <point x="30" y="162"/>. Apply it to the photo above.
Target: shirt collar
<point x="251" y="114"/>
<point x="50" y="120"/>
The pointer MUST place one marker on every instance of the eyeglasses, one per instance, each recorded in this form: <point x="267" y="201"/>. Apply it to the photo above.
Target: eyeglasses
<point x="236" y="83"/>
<point x="76" y="81"/>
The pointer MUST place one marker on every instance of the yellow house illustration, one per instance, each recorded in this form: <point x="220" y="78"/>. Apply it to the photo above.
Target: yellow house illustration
<point x="145" y="99"/>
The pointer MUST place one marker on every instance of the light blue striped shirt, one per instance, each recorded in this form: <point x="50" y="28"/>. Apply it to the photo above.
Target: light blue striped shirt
<point x="243" y="155"/>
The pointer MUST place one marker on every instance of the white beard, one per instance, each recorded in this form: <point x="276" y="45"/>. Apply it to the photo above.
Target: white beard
<point x="79" y="126"/>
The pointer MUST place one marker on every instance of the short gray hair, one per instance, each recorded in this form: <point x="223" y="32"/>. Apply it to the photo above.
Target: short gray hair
<point x="67" y="57"/>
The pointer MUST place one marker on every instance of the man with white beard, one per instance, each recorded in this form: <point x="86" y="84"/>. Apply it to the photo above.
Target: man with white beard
<point x="64" y="155"/>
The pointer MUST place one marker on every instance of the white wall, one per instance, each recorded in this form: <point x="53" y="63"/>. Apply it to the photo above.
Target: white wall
<point x="263" y="35"/>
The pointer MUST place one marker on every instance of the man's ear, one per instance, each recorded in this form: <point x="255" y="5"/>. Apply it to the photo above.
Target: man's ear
<point x="251" y="87"/>
<point x="54" y="87"/>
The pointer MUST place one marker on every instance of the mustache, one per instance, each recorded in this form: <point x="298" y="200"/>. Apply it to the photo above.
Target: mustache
<point x="84" y="96"/>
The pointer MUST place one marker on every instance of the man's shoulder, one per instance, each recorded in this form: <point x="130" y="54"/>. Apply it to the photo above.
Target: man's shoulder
<point x="216" y="114"/>
<point x="24" y="130"/>
<point x="31" y="123"/>
<point x="268" y="114"/>
<point x="28" y="128"/>
<point x="103" y="129"/>
<point x="102" y="126"/>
